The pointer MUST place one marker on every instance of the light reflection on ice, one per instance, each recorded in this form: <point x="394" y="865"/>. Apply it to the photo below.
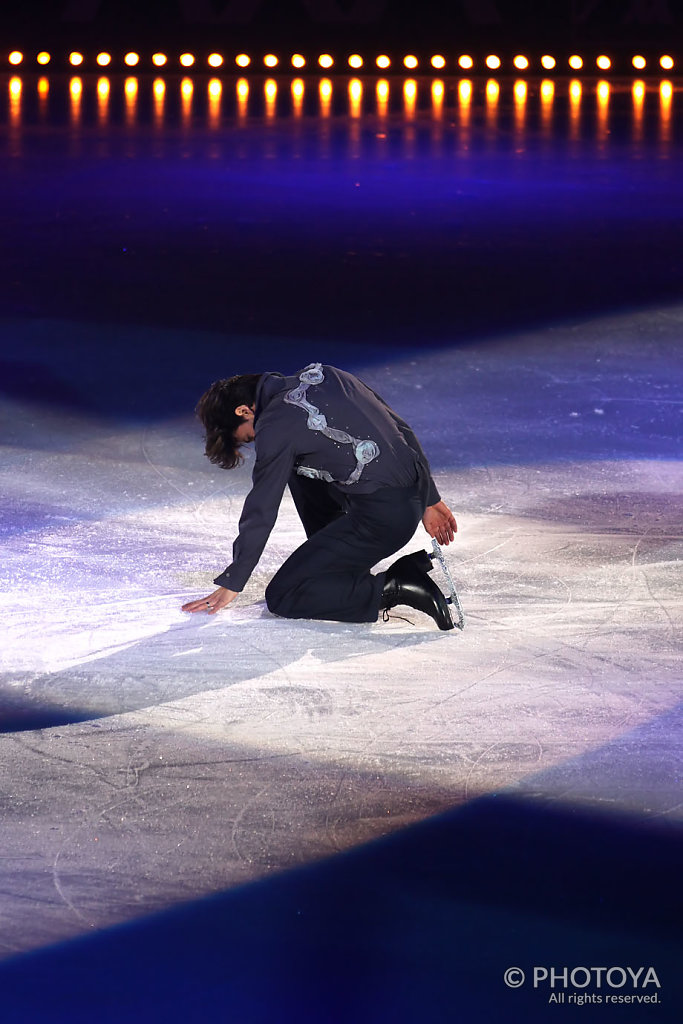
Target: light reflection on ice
<point x="310" y="737"/>
<point x="108" y="530"/>
<point x="56" y="629"/>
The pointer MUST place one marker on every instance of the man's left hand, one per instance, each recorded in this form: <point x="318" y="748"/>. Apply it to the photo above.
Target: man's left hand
<point x="439" y="522"/>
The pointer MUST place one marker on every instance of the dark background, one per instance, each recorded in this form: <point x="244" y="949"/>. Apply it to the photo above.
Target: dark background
<point x="504" y="24"/>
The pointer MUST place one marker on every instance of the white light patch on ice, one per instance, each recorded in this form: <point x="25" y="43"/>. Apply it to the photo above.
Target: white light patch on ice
<point x="61" y="629"/>
<point x="190" y="754"/>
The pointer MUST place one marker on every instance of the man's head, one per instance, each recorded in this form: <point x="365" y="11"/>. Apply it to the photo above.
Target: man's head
<point x="227" y="412"/>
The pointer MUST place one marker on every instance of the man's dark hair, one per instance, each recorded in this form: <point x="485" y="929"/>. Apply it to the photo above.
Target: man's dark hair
<point x="216" y="410"/>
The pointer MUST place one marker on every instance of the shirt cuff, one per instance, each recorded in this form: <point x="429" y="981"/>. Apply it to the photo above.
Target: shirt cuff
<point x="224" y="581"/>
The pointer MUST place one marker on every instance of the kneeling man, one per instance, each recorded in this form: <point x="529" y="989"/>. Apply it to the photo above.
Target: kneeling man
<point x="360" y="482"/>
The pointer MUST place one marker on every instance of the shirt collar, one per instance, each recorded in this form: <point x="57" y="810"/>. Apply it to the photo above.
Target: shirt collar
<point x="269" y="385"/>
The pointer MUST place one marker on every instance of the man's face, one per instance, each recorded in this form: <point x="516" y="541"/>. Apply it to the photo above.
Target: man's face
<point x="245" y="432"/>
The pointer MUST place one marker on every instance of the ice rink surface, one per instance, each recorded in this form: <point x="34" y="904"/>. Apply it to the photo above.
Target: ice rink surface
<point x="157" y="756"/>
<point x="525" y="771"/>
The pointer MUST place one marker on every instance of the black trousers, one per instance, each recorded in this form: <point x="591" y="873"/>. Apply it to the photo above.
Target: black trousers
<point x="329" y="576"/>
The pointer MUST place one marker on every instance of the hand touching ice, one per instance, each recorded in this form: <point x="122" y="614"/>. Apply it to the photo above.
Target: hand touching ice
<point x="220" y="598"/>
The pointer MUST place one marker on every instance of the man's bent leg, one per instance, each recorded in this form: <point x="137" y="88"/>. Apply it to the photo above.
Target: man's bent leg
<point x="317" y="502"/>
<point x="329" y="576"/>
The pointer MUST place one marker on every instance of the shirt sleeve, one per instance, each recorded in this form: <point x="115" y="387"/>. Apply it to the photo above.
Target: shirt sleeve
<point x="269" y="479"/>
<point x="433" y="495"/>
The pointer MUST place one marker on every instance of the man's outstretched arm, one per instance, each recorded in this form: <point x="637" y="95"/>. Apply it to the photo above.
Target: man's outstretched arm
<point x="271" y="473"/>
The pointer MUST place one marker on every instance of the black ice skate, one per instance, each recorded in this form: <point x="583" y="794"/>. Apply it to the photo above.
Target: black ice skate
<point x="406" y="582"/>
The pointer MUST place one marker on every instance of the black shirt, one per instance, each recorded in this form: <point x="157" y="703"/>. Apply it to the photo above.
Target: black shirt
<point x="327" y="424"/>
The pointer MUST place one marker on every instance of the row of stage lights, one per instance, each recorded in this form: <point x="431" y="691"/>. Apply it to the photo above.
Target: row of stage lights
<point x="355" y="89"/>
<point x="359" y="102"/>
<point x="355" y="92"/>
<point x="410" y="91"/>
<point x="325" y="61"/>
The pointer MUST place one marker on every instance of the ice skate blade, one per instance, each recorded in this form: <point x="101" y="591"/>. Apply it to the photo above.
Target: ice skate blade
<point x="454" y="606"/>
<point x="457" y="618"/>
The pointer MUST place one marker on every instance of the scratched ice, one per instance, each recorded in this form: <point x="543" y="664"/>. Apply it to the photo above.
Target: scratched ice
<point x="157" y="756"/>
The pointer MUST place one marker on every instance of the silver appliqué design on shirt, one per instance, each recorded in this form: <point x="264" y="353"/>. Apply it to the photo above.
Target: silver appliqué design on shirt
<point x="365" y="451"/>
